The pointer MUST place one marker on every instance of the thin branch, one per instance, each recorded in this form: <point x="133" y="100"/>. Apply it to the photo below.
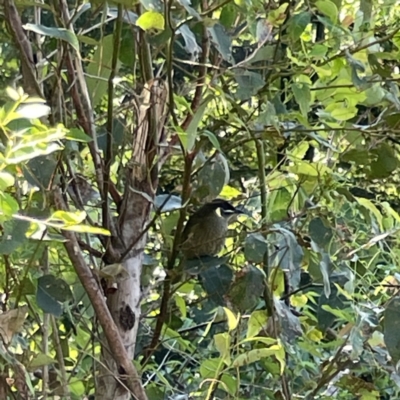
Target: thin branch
<point x="198" y="94"/>
<point x="45" y="332"/>
<point x="60" y="359"/>
<point x="110" y="117"/>
<point x="14" y="25"/>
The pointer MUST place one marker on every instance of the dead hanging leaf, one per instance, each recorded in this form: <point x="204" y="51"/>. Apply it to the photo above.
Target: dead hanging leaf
<point x="114" y="271"/>
<point x="11" y="322"/>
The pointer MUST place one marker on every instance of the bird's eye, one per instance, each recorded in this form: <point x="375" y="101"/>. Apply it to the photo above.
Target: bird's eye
<point x="227" y="213"/>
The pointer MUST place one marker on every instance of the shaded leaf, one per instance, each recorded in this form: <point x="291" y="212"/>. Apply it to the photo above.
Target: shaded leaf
<point x="14" y="235"/>
<point x="320" y="233"/>
<point x="302" y="95"/>
<point x="289" y="255"/>
<point x="78" y="135"/>
<point x="334" y="301"/>
<point x="216" y="282"/>
<point x="188" y="138"/>
<point x="198" y="265"/>
<point x="392" y="328"/>
<point x="255" y="247"/>
<point x="249" y="83"/>
<point x="247" y="289"/>
<point x="51" y="292"/>
<point x="191" y="45"/>
<point x="222" y="41"/>
<point x="290" y="324"/>
<point x="297" y="23"/>
<point x="385" y="163"/>
<point x="99" y="69"/>
<point x="58" y="33"/>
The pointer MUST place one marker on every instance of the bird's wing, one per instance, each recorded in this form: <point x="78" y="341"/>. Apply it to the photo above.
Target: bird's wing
<point x="190" y="224"/>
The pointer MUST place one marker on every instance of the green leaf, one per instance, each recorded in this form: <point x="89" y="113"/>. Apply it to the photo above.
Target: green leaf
<point x="392" y="329"/>
<point x="308" y="169"/>
<point x="328" y="8"/>
<point x="247" y="289"/>
<point x="249" y="83"/>
<point x="181" y="304"/>
<point x="258" y="320"/>
<point x="151" y="20"/>
<point x="87" y="229"/>
<point x="255" y="247"/>
<point x="211" y="180"/>
<point x="13" y="235"/>
<point x="58" y="33"/>
<point x="372" y="209"/>
<point x="99" y="69"/>
<point x="229" y="384"/>
<point x="319" y="233"/>
<point x="78" y="135"/>
<point x="8" y="206"/>
<point x="228" y="15"/>
<point x="213" y="139"/>
<point x="6" y="180"/>
<point x="385" y="163"/>
<point x="253" y="356"/>
<point x="297" y="23"/>
<point x="302" y="95"/>
<point x="231" y="319"/>
<point x="209" y="368"/>
<point x="51" y="292"/>
<point x="318" y="51"/>
<point x="223" y="343"/>
<point x="216" y="282"/>
<point x="188" y="138"/>
<point x="40" y="360"/>
<point x="69" y="218"/>
<point x="222" y="41"/>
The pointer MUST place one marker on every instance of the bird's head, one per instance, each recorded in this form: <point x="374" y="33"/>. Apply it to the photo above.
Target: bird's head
<point x="224" y="209"/>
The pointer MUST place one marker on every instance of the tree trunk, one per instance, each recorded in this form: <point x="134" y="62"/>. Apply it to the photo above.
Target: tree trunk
<point x="124" y="298"/>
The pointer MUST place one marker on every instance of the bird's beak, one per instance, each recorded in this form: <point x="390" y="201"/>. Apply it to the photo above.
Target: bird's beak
<point x="238" y="211"/>
<point x="235" y="213"/>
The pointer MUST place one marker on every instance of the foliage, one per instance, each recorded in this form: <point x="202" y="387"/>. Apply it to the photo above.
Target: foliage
<point x="289" y="109"/>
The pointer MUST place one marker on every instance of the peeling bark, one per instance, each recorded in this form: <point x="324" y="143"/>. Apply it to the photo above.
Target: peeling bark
<point x="142" y="180"/>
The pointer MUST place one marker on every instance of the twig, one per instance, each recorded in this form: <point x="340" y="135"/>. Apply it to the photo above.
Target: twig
<point x="110" y="118"/>
<point x="60" y="359"/>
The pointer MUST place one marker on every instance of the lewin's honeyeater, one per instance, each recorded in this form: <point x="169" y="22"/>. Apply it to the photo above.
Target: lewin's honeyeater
<point x="206" y="230"/>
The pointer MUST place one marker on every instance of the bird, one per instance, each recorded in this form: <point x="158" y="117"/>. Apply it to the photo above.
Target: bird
<point x="206" y="230"/>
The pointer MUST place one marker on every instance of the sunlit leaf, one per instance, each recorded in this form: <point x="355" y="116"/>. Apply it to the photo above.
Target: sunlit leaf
<point x="6" y="180"/>
<point x="257" y="321"/>
<point x="328" y="8"/>
<point x="151" y="20"/>
<point x="231" y="319"/>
